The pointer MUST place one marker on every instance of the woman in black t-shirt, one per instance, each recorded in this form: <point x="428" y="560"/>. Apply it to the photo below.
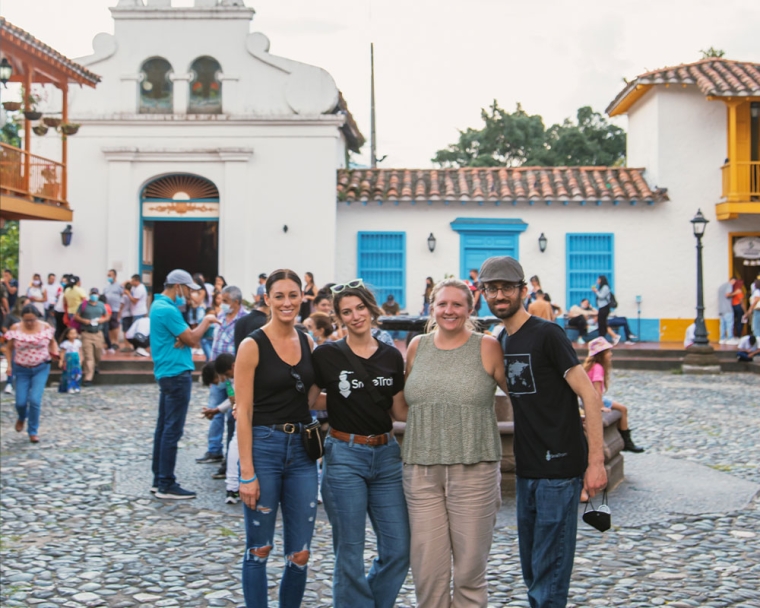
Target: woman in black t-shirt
<point x="362" y="462"/>
<point x="273" y="375"/>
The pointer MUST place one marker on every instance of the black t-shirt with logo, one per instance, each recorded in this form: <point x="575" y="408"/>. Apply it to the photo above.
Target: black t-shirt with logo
<point x="549" y="439"/>
<point x="350" y="407"/>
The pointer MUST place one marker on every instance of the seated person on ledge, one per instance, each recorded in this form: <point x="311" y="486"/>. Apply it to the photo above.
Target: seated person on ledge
<point x="580" y="316"/>
<point x="747" y="348"/>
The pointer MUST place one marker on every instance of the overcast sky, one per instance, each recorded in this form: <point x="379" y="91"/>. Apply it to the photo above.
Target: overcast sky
<point x="438" y="62"/>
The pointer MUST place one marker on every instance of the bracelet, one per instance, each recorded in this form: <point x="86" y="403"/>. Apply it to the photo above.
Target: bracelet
<point x="251" y="480"/>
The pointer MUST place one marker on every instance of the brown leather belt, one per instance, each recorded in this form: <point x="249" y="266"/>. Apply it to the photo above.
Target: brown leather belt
<point x="371" y="440"/>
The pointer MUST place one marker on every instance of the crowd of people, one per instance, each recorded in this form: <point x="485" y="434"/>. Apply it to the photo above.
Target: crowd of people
<point x="304" y="359"/>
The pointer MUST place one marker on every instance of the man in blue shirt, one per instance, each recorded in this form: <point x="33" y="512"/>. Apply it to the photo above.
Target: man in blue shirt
<point x="171" y="341"/>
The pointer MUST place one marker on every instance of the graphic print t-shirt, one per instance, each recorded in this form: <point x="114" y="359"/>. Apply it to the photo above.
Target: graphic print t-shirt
<point x="549" y="439"/>
<point x="350" y="407"/>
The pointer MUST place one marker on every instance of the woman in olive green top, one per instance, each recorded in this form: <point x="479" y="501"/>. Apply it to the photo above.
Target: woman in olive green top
<point x="452" y="452"/>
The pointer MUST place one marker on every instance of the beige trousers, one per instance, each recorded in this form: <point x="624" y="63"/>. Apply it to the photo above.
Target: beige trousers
<point x="452" y="513"/>
<point x="92" y="351"/>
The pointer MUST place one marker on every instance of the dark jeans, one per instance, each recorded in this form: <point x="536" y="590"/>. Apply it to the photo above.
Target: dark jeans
<point x="173" y="402"/>
<point x="738" y="325"/>
<point x="604" y="312"/>
<point x="580" y="323"/>
<point x="361" y="480"/>
<point x="547" y="521"/>
<point x="614" y="322"/>
<point x="60" y="326"/>
<point x="287" y="480"/>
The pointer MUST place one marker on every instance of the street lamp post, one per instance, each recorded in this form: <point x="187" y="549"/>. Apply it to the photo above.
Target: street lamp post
<point x="700" y="357"/>
<point x="699" y="223"/>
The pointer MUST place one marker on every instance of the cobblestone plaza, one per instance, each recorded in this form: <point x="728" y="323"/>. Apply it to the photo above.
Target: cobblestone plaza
<point x="79" y="527"/>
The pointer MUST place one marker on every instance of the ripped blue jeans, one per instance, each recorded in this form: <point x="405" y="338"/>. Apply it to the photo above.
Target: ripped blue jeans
<point x="288" y="480"/>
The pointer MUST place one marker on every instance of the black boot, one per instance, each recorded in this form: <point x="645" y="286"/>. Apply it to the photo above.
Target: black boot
<point x="628" y="445"/>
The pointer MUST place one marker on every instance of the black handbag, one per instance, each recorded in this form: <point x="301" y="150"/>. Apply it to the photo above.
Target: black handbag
<point x="313" y="438"/>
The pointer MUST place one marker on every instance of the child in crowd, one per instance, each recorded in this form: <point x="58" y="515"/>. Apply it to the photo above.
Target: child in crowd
<point x="214" y="372"/>
<point x="598" y="366"/>
<point x="70" y="362"/>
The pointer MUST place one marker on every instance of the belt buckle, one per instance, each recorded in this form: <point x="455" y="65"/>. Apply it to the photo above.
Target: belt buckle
<point x="289" y="428"/>
<point x="371" y="439"/>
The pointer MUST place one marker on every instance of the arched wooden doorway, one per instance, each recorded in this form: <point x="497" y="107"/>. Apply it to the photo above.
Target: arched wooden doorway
<point x="179" y="217"/>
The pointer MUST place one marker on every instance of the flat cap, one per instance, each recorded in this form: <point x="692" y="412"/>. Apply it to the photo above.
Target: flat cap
<point x="501" y="268"/>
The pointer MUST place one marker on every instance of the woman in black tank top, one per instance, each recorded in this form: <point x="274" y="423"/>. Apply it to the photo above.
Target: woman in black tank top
<point x="273" y="375"/>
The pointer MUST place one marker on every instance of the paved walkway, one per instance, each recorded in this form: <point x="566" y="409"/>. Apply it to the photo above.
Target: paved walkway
<point x="79" y="528"/>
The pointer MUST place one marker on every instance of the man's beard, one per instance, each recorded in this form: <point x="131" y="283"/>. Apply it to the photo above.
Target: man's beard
<point x="509" y="312"/>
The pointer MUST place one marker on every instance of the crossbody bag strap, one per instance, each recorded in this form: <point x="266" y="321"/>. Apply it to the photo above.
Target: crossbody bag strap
<point x="361" y="372"/>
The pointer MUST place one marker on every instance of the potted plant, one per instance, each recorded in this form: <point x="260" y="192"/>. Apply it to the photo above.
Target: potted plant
<point x="12" y="106"/>
<point x="70" y="128"/>
<point x="52" y="121"/>
<point x="50" y="188"/>
<point x="40" y="130"/>
<point x="31" y="99"/>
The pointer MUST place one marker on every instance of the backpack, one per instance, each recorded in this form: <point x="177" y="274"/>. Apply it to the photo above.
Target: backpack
<point x="613" y="301"/>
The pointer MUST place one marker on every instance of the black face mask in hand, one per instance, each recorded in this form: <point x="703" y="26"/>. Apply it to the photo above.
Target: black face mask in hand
<point x="600" y="518"/>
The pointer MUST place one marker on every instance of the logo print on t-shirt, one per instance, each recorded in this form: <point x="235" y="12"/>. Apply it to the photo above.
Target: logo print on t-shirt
<point x="344" y="386"/>
<point x="519" y="374"/>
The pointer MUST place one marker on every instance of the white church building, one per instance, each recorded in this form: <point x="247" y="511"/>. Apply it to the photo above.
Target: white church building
<point x="200" y="149"/>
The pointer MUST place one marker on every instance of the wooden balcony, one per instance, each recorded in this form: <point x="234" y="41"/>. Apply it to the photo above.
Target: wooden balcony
<point x="31" y="186"/>
<point x="741" y="190"/>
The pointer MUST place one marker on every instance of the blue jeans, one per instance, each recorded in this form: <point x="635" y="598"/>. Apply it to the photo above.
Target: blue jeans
<point x="727" y="325"/>
<point x="216" y="395"/>
<point x="173" y="401"/>
<point x="206" y="345"/>
<point x="361" y="480"/>
<point x="30" y="384"/>
<point x="287" y="479"/>
<point x="547" y="521"/>
<point x="756" y="323"/>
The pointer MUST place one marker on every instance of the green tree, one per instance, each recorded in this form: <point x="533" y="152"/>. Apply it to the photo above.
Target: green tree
<point x="519" y="138"/>
<point x="9" y="133"/>
<point x="9" y="246"/>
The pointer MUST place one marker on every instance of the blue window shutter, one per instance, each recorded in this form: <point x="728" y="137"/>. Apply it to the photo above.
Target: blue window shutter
<point x="382" y="264"/>
<point x="588" y="256"/>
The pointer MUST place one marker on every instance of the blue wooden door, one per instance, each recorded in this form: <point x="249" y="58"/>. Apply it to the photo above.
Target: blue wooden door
<point x="588" y="256"/>
<point x="382" y="264"/>
<point x="477" y="248"/>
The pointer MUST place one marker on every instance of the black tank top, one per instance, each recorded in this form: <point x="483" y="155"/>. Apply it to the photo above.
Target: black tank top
<point x="276" y="400"/>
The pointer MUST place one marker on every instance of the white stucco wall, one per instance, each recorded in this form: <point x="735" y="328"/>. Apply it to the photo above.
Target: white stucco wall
<point x="272" y="154"/>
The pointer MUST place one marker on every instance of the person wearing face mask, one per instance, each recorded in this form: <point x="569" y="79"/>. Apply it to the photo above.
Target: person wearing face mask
<point x="113" y="292"/>
<point x="171" y="341"/>
<point x="91" y="315"/>
<point x="37" y="294"/>
<point x="224" y="342"/>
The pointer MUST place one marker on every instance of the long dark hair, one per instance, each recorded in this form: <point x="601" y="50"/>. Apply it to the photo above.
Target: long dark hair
<point x="603" y="281"/>
<point x="282" y="274"/>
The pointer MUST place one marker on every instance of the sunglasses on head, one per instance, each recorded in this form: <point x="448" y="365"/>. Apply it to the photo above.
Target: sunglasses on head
<point x="356" y="283"/>
<point x="299" y="383"/>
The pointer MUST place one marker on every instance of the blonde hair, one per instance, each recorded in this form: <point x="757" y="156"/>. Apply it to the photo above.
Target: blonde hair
<point x="605" y="362"/>
<point x="456" y="284"/>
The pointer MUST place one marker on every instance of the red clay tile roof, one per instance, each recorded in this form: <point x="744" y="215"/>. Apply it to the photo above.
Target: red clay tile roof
<point x="714" y="77"/>
<point x="16" y="36"/>
<point x="499" y="185"/>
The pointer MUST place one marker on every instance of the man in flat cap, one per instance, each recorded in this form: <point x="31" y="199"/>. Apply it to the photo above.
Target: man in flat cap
<point x="555" y="464"/>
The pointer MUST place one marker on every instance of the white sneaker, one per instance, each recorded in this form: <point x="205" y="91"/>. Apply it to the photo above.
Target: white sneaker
<point x="142" y="352"/>
<point x="8" y="389"/>
<point x="722" y="341"/>
<point x="581" y="341"/>
<point x="615" y="340"/>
